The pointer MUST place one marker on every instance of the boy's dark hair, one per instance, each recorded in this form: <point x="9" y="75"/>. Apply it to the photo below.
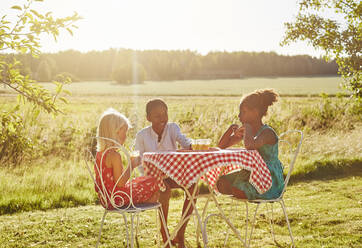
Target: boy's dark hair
<point x="153" y="103"/>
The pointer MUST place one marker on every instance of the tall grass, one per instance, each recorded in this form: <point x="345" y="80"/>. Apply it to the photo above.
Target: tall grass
<point x="54" y="174"/>
<point x="51" y="183"/>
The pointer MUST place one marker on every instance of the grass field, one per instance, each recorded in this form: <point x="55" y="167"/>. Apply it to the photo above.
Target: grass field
<point x="322" y="214"/>
<point x="304" y="86"/>
<point x="325" y="196"/>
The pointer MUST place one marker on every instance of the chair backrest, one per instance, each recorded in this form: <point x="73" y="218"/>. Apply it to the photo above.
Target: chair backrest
<point x="289" y="146"/>
<point x="114" y="199"/>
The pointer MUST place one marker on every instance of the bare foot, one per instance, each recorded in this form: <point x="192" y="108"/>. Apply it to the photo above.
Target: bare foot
<point x="179" y="243"/>
<point x="164" y="238"/>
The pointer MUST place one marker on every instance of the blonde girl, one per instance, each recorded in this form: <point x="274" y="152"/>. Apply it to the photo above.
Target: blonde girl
<point x="109" y="165"/>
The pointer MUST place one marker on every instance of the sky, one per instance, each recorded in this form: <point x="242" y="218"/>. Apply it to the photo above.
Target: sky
<point x="197" y="25"/>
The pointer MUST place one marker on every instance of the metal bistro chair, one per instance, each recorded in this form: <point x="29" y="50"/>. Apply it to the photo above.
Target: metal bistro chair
<point x="289" y="143"/>
<point x="108" y="199"/>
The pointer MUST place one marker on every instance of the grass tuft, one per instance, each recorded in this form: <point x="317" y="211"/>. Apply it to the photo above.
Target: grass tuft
<point x="328" y="169"/>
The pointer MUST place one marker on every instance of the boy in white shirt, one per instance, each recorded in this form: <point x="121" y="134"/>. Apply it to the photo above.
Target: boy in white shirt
<point x="162" y="136"/>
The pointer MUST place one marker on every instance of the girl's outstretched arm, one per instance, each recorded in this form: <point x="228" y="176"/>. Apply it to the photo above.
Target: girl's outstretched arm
<point x="117" y="165"/>
<point x="232" y="136"/>
<point x="267" y="136"/>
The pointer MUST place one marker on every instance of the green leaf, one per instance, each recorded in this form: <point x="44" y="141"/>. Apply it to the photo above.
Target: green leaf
<point x="63" y="99"/>
<point x="36" y="13"/>
<point x="70" y="31"/>
<point x="11" y="127"/>
<point x="67" y="92"/>
<point x="16" y="7"/>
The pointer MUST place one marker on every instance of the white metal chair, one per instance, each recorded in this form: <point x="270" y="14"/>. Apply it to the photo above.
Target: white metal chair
<point x="289" y="144"/>
<point x="109" y="199"/>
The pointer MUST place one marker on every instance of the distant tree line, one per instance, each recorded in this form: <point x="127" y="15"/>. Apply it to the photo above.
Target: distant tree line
<point x="128" y="66"/>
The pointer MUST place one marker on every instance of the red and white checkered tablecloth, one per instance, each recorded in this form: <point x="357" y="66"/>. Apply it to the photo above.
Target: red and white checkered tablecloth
<point x="185" y="168"/>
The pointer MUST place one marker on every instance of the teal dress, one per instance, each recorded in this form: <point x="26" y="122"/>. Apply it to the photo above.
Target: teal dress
<point x="269" y="154"/>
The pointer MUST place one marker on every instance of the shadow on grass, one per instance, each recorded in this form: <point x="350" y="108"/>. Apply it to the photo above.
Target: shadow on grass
<point x="329" y="170"/>
<point x="318" y="170"/>
<point x="43" y="202"/>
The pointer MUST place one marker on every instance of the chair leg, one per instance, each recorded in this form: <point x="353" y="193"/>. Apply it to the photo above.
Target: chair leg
<point x="233" y="209"/>
<point x="137" y="224"/>
<point x="246" y="222"/>
<point x="222" y="215"/>
<point x="205" y="230"/>
<point x="271" y="220"/>
<point x="286" y="218"/>
<point x="163" y="222"/>
<point x="228" y="230"/>
<point x="198" y="230"/>
<point x="132" y="227"/>
<point x="126" y="226"/>
<point x="101" y="227"/>
<point x="253" y="224"/>
<point x="157" y="228"/>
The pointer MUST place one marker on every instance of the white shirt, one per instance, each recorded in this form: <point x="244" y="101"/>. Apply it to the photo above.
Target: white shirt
<point x="147" y="140"/>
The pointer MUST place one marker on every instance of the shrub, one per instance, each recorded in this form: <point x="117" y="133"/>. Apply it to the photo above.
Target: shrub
<point x="14" y="143"/>
<point x="63" y="76"/>
<point x="127" y="74"/>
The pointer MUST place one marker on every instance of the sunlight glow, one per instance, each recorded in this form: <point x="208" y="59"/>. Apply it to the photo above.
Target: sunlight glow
<point x="201" y="25"/>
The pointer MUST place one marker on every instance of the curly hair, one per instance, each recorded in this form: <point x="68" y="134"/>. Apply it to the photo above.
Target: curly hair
<point x="260" y="100"/>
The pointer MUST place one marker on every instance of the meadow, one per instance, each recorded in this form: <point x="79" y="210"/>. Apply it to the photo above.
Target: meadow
<point x="41" y="198"/>
<point x="288" y="86"/>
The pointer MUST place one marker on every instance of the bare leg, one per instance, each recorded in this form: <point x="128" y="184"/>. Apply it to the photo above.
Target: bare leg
<point x="224" y="187"/>
<point x="239" y="193"/>
<point x="165" y="200"/>
<point x="154" y="198"/>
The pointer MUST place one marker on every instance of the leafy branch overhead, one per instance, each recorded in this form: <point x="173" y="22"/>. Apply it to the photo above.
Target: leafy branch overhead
<point x="21" y="36"/>
<point x="341" y="40"/>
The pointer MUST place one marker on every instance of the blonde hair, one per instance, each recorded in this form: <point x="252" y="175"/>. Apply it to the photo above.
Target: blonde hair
<point x="260" y="100"/>
<point x="109" y="124"/>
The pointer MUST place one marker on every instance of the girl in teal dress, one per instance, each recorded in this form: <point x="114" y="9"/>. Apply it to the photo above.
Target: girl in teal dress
<point x="256" y="136"/>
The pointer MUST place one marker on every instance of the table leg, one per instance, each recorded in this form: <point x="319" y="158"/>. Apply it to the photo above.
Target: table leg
<point x="192" y="198"/>
<point x="222" y="215"/>
<point x="183" y="220"/>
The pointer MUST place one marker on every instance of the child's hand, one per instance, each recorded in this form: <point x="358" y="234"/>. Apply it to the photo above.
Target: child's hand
<point x="135" y="162"/>
<point x="233" y="128"/>
<point x="239" y="132"/>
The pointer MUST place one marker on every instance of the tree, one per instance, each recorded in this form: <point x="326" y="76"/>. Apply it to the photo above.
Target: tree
<point x="129" y="74"/>
<point x="44" y="73"/>
<point x="340" y="41"/>
<point x="22" y="36"/>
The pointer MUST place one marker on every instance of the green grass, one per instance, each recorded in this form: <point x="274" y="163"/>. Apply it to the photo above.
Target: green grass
<point x="322" y="214"/>
<point x="57" y="178"/>
<point x="47" y="184"/>
<point x="324" y="198"/>
<point x="287" y="86"/>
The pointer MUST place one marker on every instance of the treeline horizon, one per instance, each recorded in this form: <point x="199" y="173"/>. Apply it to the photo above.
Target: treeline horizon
<point x="125" y="65"/>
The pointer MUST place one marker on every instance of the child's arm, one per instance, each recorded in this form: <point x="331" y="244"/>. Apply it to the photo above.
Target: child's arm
<point x="232" y="136"/>
<point x="181" y="138"/>
<point x="118" y="172"/>
<point x="267" y="136"/>
<point x="139" y="145"/>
